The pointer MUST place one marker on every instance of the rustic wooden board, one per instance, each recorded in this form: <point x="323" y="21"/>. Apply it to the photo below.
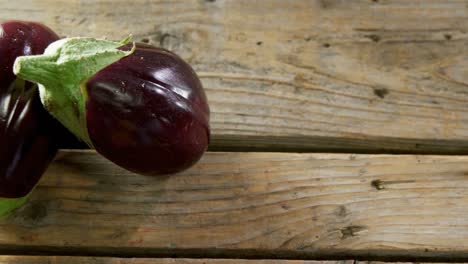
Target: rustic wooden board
<point x="108" y="260"/>
<point x="250" y="205"/>
<point x="329" y="75"/>
<point x="379" y="262"/>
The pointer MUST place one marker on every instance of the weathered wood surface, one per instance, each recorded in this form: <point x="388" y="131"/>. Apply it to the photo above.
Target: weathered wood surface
<point x="109" y="260"/>
<point x="326" y="75"/>
<point x="379" y="262"/>
<point x="250" y="205"/>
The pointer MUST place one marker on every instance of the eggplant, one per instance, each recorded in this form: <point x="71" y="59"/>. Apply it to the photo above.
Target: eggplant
<point x="141" y="107"/>
<point x="28" y="134"/>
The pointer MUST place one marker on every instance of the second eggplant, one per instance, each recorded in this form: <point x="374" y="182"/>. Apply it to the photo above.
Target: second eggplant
<point x="141" y="107"/>
<point x="29" y="136"/>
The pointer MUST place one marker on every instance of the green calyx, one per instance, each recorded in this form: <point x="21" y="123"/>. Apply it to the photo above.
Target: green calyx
<point x="61" y="73"/>
<point x="8" y="205"/>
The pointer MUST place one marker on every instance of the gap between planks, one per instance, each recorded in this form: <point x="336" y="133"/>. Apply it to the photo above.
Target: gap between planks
<point x="305" y="144"/>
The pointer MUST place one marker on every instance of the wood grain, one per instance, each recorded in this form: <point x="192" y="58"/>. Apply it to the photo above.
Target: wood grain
<point x="323" y="75"/>
<point x="108" y="260"/>
<point x="379" y="262"/>
<point x="268" y="205"/>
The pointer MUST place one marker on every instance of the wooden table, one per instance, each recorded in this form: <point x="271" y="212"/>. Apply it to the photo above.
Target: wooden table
<point x="339" y="129"/>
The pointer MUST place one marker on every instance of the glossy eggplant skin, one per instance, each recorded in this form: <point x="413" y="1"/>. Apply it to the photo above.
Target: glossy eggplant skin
<point x="148" y="112"/>
<point x="27" y="132"/>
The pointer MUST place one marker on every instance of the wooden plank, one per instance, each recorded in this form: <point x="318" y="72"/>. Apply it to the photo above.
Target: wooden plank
<point x="268" y="205"/>
<point x="379" y="262"/>
<point x="109" y="260"/>
<point x="368" y="76"/>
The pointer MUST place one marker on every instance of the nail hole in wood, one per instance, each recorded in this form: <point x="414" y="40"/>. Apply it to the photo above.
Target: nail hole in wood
<point x="381" y="92"/>
<point x="375" y="38"/>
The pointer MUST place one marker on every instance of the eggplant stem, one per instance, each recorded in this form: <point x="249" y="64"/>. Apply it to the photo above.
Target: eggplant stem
<point x="61" y="72"/>
<point x="8" y="205"/>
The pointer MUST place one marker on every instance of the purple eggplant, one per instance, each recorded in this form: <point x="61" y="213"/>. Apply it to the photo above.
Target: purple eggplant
<point x="141" y="107"/>
<point x="28" y="134"/>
